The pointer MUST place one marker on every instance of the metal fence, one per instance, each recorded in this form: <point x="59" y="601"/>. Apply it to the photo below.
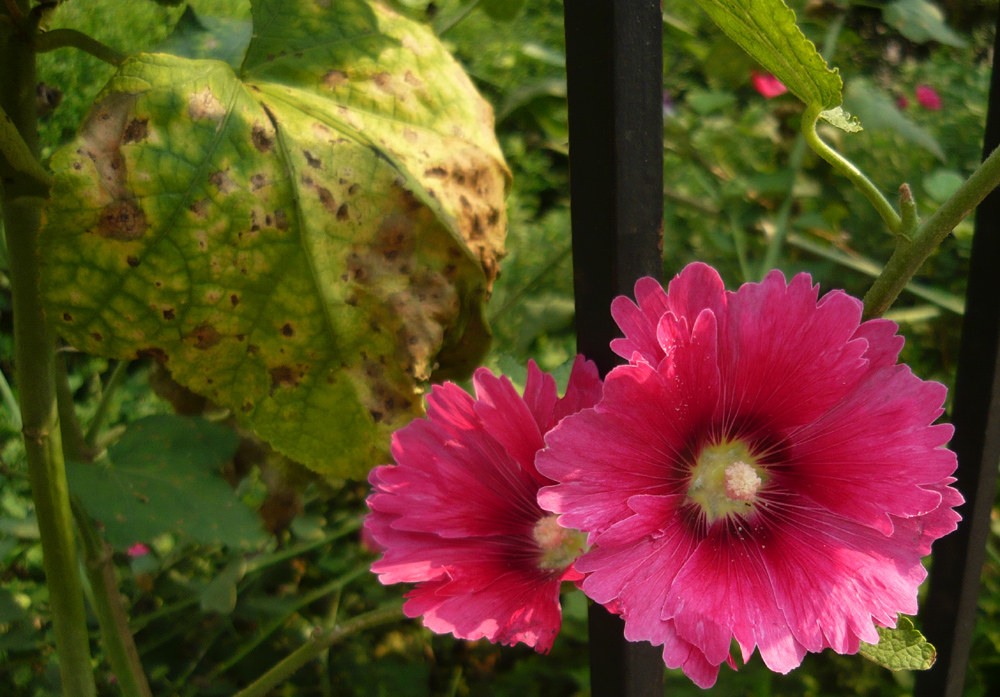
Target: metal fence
<point x="614" y="75"/>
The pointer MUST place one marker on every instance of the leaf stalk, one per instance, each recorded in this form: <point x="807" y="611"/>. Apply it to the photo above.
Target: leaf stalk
<point x="65" y="38"/>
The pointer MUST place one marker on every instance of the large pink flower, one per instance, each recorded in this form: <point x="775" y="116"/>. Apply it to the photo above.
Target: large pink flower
<point x="762" y="470"/>
<point x="458" y="514"/>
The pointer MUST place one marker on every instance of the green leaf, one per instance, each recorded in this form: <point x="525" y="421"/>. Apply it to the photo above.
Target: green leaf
<point x="942" y="183"/>
<point x="902" y="648"/>
<point x="164" y="476"/>
<point x="304" y="243"/>
<point x="841" y="119"/>
<point x="214" y="38"/>
<point x="704" y="102"/>
<point x="920" y="22"/>
<point x="766" y="30"/>
<point x="502" y="10"/>
<point x="879" y="112"/>
<point x="220" y="593"/>
<point x="16" y="158"/>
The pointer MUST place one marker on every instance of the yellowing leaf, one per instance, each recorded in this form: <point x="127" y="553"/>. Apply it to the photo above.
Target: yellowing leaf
<point x="304" y="242"/>
<point x="766" y="30"/>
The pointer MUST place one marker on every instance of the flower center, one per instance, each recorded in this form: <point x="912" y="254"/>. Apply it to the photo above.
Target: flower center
<point x="725" y="480"/>
<point x="559" y="546"/>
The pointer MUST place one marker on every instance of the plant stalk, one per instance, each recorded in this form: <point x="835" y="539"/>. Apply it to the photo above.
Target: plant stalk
<point x="909" y="256"/>
<point x="119" y="646"/>
<point x="64" y="38"/>
<point x="117" y="376"/>
<point x="74" y="446"/>
<point x="317" y="644"/>
<point x="34" y="356"/>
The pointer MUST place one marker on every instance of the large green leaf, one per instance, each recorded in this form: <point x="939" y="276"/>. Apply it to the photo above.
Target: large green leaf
<point x="920" y="22"/>
<point x="165" y="475"/>
<point x="304" y="242"/>
<point x="196" y="36"/>
<point x="766" y="30"/>
<point x="902" y="648"/>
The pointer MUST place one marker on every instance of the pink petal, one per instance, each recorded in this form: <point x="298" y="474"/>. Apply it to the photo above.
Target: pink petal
<point x="875" y="453"/>
<point x="928" y="98"/>
<point x="767" y="85"/>
<point x="787" y="359"/>
<point x="507" y="418"/>
<point x="884" y="344"/>
<point x="583" y="391"/>
<point x="638" y="321"/>
<point x="540" y="396"/>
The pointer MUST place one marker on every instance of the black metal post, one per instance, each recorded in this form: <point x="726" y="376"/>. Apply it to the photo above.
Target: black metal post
<point x="614" y="69"/>
<point x="949" y="611"/>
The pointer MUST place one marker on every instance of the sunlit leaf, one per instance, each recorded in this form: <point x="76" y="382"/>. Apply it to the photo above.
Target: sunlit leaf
<point x="165" y="476"/>
<point x="303" y="243"/>
<point x="902" y="648"/>
<point x="766" y="30"/>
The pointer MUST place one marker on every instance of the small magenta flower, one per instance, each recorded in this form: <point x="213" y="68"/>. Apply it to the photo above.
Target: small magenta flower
<point x="928" y="98"/>
<point x="762" y="470"/>
<point x="767" y="85"/>
<point x="458" y="513"/>
<point x="138" y="550"/>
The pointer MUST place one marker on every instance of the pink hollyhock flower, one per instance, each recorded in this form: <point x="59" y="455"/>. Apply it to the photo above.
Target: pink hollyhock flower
<point x="902" y="103"/>
<point x="138" y="550"/>
<point x="767" y="85"/>
<point x="928" y="98"/>
<point x="458" y="513"/>
<point x="762" y="470"/>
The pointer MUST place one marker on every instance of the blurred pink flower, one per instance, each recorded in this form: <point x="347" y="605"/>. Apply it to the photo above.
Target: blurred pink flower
<point x="902" y="103"/>
<point x="928" y="98"/>
<point x="767" y="84"/>
<point x="762" y="470"/>
<point x="458" y="514"/>
<point x="138" y="550"/>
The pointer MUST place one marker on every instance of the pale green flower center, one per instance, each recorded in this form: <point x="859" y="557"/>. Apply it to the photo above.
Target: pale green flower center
<point x="725" y="480"/>
<point x="559" y="546"/>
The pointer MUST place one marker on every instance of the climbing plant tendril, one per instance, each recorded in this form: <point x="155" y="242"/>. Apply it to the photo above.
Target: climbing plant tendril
<point x="304" y="241"/>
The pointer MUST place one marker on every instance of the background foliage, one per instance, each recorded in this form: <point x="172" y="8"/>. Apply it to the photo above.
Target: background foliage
<point x="209" y="616"/>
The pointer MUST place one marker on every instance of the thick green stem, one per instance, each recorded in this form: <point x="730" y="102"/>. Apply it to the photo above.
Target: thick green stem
<point x="34" y="357"/>
<point x="847" y="168"/>
<point x="64" y="38"/>
<point x="317" y="644"/>
<point x="910" y="255"/>
<point x="117" y="376"/>
<point x="119" y="646"/>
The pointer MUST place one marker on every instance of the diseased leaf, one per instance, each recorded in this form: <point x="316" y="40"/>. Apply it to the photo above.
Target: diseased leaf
<point x="921" y="21"/>
<point x="902" y="648"/>
<point x="303" y="243"/>
<point x="164" y="476"/>
<point x="841" y="119"/>
<point x="196" y="36"/>
<point x="766" y="30"/>
<point x="878" y="111"/>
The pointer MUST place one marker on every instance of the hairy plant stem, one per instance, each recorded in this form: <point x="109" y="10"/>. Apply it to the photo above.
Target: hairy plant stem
<point x="847" y="168"/>
<point x="66" y="38"/>
<point x="117" y="376"/>
<point x="119" y="646"/>
<point x="34" y="357"/>
<point x="910" y="254"/>
<point x="317" y="644"/>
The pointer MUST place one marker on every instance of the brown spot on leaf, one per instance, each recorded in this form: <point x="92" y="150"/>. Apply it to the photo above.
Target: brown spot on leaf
<point x="169" y="313"/>
<point x="376" y="415"/>
<point x="354" y="189"/>
<point x="334" y="79"/>
<point x="77" y="166"/>
<point x="262" y="140"/>
<point x="221" y="181"/>
<point x="136" y="130"/>
<point x="200" y="208"/>
<point x="313" y="161"/>
<point x="258" y="181"/>
<point x="97" y="336"/>
<point x="203" y="337"/>
<point x="252" y="349"/>
<point x="288" y="330"/>
<point x="123" y="220"/>
<point x="342" y="213"/>
<point x="234" y="299"/>
<point x="132" y="261"/>
<point x="412" y="79"/>
<point x="67" y="317"/>
<point x="152" y="352"/>
<point x="280" y="219"/>
<point x="205" y="105"/>
<point x="284" y="375"/>
<point x="326" y="198"/>
<point x="383" y="81"/>
<point x="439" y="172"/>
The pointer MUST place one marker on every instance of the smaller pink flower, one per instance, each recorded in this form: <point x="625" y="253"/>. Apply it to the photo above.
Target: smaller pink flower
<point x="458" y="514"/>
<point x="138" y="550"/>
<point x="767" y="85"/>
<point x="902" y="103"/>
<point x="928" y="98"/>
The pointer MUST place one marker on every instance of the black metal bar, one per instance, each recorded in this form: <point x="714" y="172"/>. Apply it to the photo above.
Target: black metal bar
<point x="949" y="611"/>
<point x="614" y="69"/>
